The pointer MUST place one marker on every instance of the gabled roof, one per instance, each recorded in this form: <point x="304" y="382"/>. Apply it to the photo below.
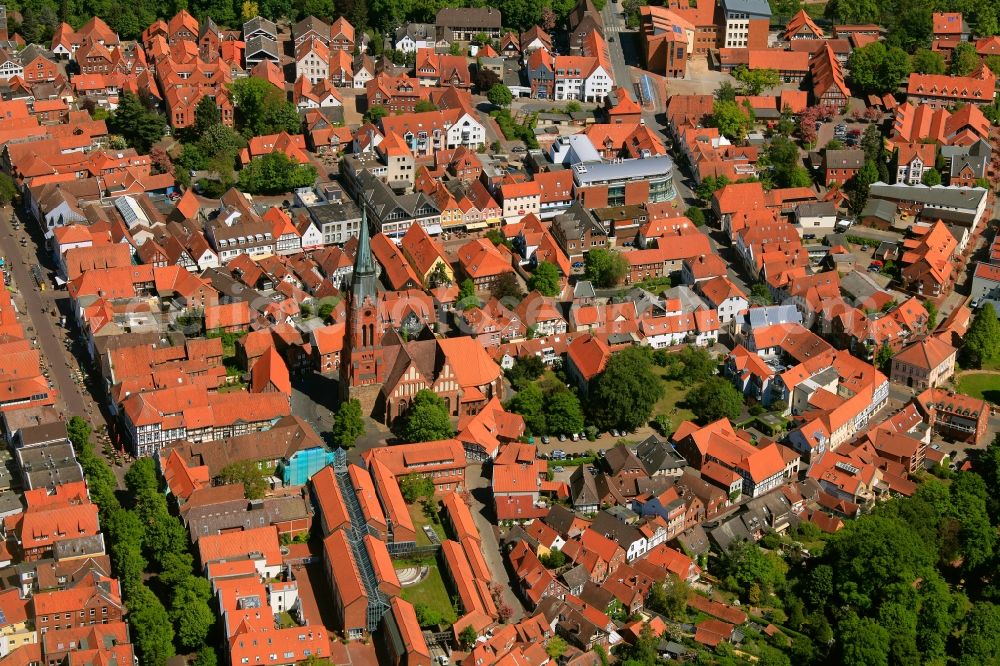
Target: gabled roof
<point x="802" y="23"/>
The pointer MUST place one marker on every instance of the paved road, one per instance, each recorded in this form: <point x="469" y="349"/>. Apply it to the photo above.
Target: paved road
<point x="48" y="340"/>
<point x="614" y="25"/>
<point x="479" y="488"/>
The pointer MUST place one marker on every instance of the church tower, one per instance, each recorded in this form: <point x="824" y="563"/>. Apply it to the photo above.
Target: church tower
<point x="362" y="369"/>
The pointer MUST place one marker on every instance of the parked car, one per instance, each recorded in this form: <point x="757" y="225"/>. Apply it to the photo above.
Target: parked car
<point x="615" y="433"/>
<point x="562" y="438"/>
<point x="558" y="468"/>
<point x="559" y="454"/>
<point x="545" y="439"/>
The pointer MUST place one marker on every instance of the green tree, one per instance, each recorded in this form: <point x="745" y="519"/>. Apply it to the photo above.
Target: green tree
<point x="855" y="11"/>
<point x="883" y="357"/>
<point x="425" y="105"/>
<point x="786" y="163"/>
<point x="982" y="342"/>
<point x="499" y="95"/>
<point x="275" y="173"/>
<point x="140" y="479"/>
<point x="152" y="633"/>
<point x="715" y="398"/>
<point x="936" y="616"/>
<point x="79" y="432"/>
<point x="415" y="487"/>
<point x="876" y="68"/>
<point x="553" y="559"/>
<point x="206" y="657"/>
<point x="993" y="62"/>
<point x="556" y="648"/>
<point x="605" y="268"/>
<point x="696" y="216"/>
<point x="860" y="185"/>
<point x="140" y="126"/>
<point x="467" y="294"/>
<point x="980" y="643"/>
<point x="863" y="642"/>
<point x="262" y="109"/>
<point x="726" y="92"/>
<point x="872" y="557"/>
<point x="325" y="310"/>
<point x="932" y="314"/>
<point x="529" y="403"/>
<point x="546" y="279"/>
<point x="745" y="564"/>
<point x="964" y="59"/>
<point x="192" y="617"/>
<point x="322" y="9"/>
<point x="731" y="119"/>
<point x="692" y="365"/>
<point x="669" y="597"/>
<point x="626" y="391"/>
<point x="976" y="536"/>
<point x="427" y="419"/>
<point x="987" y="465"/>
<point x="756" y="81"/>
<point x="931" y="177"/>
<point x="348" y="425"/>
<point x="468" y="637"/>
<point x="709" y="185"/>
<point x="206" y="115"/>
<point x="760" y="294"/>
<point x="926" y="61"/>
<point x="526" y="369"/>
<point x="249" y="474"/>
<point x="375" y="113"/>
<point x="563" y="413"/>
<point x="506" y="286"/>
<point x="219" y="140"/>
<point x="8" y="189"/>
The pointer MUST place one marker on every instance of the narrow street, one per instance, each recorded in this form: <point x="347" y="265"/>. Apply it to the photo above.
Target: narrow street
<point x="479" y="488"/>
<point x="614" y="24"/>
<point x="41" y="327"/>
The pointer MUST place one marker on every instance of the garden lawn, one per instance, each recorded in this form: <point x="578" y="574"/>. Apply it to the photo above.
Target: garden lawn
<point x="419" y="520"/>
<point x="432" y="592"/>
<point x="981" y="385"/>
<point x="675" y="393"/>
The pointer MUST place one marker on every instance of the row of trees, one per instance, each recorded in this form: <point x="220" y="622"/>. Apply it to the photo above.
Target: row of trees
<point x="40" y="18"/>
<point x="145" y="536"/>
<point x="982" y="341"/>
